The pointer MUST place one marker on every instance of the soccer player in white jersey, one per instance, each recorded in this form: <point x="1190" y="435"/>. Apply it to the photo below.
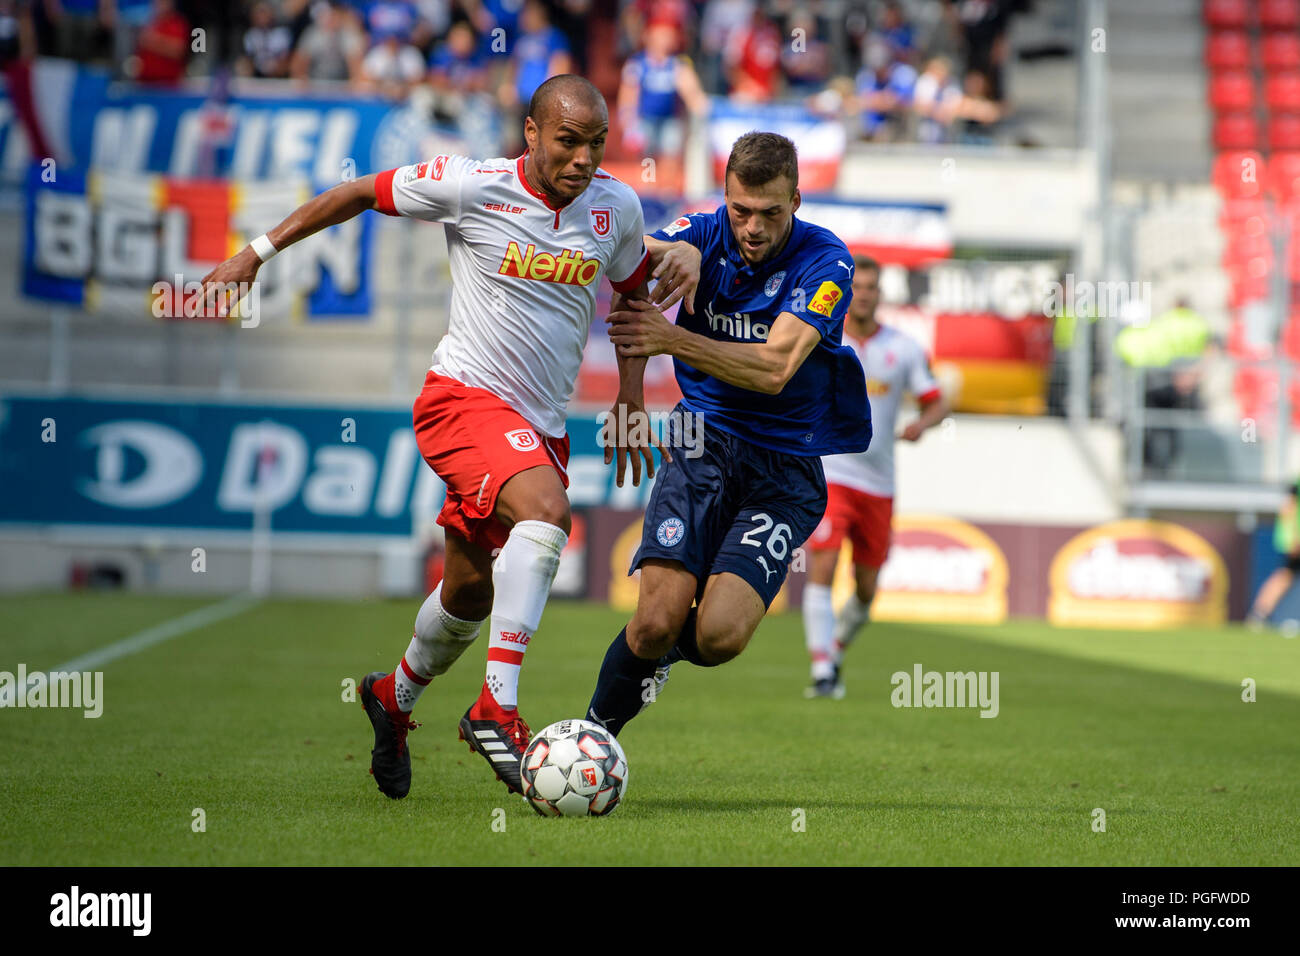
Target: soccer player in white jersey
<point x="860" y="487"/>
<point x="528" y="239"/>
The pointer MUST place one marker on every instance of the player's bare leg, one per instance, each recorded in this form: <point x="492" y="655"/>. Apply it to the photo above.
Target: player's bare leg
<point x="533" y="504"/>
<point x="857" y="609"/>
<point x="667" y="629"/>
<point x="447" y="623"/>
<point x="819" y="624"/>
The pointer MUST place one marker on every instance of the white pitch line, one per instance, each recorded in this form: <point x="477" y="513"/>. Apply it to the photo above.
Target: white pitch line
<point x="150" y="636"/>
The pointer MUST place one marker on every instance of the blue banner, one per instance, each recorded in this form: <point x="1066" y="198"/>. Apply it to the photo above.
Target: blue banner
<point x="207" y="464"/>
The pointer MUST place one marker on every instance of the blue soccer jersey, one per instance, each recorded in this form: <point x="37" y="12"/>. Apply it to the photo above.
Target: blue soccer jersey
<point x="823" y="409"/>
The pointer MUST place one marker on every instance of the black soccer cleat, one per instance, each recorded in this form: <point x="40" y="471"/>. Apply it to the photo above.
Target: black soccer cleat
<point x="390" y="761"/>
<point x="500" y="742"/>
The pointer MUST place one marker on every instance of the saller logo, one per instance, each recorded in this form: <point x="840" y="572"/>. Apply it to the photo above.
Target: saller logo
<point x="515" y="637"/>
<point x="823" y="303"/>
<point x="568" y="268"/>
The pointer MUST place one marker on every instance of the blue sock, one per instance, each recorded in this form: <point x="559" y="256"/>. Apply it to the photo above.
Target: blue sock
<point x="686" y="649"/>
<point x="619" y="688"/>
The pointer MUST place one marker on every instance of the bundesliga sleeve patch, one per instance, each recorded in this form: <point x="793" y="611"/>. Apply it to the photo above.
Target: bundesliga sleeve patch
<point x="823" y="303"/>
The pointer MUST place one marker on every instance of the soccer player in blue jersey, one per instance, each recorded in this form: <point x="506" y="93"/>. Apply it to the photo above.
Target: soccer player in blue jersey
<point x="758" y="355"/>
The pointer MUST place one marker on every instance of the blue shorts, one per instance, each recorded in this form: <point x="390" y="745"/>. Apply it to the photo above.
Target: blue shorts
<point x="736" y="507"/>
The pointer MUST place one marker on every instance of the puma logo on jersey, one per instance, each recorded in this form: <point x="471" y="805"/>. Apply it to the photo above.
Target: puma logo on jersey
<point x="766" y="570"/>
<point x="568" y="268"/>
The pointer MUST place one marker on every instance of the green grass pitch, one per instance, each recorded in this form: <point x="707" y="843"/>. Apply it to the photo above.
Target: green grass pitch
<point x="245" y="719"/>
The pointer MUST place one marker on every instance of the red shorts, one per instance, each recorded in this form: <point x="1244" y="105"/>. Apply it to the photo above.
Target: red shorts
<point x="865" y="519"/>
<point x="475" y="443"/>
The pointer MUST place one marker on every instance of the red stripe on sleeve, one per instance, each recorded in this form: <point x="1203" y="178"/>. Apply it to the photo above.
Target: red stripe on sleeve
<point x="384" y="192"/>
<point x="928" y="397"/>
<point x="636" y="278"/>
<point x="504" y="656"/>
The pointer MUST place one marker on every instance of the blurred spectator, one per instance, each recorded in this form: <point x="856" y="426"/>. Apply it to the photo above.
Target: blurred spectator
<point x="720" y="22"/>
<point x="806" y="58"/>
<point x="1182" y="392"/>
<point x="392" y="66"/>
<point x="17" y="49"/>
<point x="540" y="53"/>
<point x="884" y="92"/>
<point x="654" y="82"/>
<point x="984" y="26"/>
<point x="978" y="115"/>
<point x="330" y="49"/>
<point x="897" y="33"/>
<point x="754" y="60"/>
<point x="382" y="19"/>
<point x="81" y="27"/>
<point x="162" y="47"/>
<point x="457" y="72"/>
<point x="497" y="24"/>
<point x="1286" y="541"/>
<point x="935" y="100"/>
<point x="267" y="44"/>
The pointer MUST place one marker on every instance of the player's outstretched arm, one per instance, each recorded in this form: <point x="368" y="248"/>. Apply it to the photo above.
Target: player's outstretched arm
<point x="675" y="267"/>
<point x="640" y="329"/>
<point x="627" y="431"/>
<point x="339" y="204"/>
<point x="932" y="413"/>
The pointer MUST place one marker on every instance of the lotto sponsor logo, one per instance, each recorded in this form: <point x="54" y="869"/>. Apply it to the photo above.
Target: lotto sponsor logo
<point x="523" y="439"/>
<point x="1138" y="573"/>
<point x="568" y="268"/>
<point x="823" y="303"/>
<point x="502" y="207"/>
<point x="515" y="637"/>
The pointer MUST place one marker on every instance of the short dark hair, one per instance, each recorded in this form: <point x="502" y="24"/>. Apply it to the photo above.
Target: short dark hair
<point x="758" y="158"/>
<point x="861" y="262"/>
<point x="563" y="84"/>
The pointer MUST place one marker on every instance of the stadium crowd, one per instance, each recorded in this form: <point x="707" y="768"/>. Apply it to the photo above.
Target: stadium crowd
<point x="920" y="70"/>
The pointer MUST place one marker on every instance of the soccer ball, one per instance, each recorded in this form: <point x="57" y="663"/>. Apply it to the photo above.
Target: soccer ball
<point x="574" y="768"/>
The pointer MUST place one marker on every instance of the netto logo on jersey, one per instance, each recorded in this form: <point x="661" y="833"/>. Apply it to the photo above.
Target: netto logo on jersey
<point x="568" y="268"/>
<point x="876" y="387"/>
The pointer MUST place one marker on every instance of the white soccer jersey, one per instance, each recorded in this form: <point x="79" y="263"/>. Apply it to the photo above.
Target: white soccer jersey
<point x="894" y="363"/>
<point x="524" y="274"/>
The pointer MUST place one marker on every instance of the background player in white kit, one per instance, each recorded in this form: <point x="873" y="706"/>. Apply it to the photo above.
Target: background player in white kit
<point x="860" y="487"/>
<point x="528" y="240"/>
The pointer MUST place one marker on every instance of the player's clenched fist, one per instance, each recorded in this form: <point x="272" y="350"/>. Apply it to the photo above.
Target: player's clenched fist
<point x="676" y="276"/>
<point x="640" y="329"/>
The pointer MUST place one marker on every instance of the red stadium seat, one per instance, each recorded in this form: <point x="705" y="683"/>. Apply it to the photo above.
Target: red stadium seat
<point x="1227" y="50"/>
<point x="1278" y="51"/>
<point x="1291" y="337"/>
<point x="1247" y="283"/>
<point x="1238" y="174"/>
<point x="1227" y="14"/>
<point x="1284" y="132"/>
<point x="1282" y="92"/>
<point x="1239" y="210"/>
<point x="1252" y="254"/>
<point x="1284" y="176"/>
<point x="1232" y="90"/>
<point x="1236" y="131"/>
<point x="1279" y="14"/>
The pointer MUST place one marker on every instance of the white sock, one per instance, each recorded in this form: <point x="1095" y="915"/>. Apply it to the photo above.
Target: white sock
<point x="439" y="639"/>
<point x="818" y="622"/>
<point x="521" y="578"/>
<point x="848" y="622"/>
